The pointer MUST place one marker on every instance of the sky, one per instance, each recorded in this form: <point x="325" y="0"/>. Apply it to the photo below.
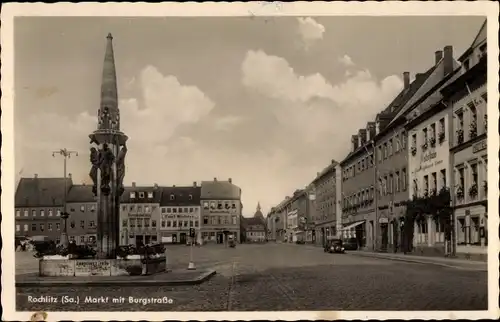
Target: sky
<point x="268" y="102"/>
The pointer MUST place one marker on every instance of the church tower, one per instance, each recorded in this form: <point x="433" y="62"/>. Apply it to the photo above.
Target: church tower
<point x="107" y="157"/>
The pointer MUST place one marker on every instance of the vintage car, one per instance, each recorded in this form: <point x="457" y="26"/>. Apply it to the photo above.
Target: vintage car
<point x="232" y="242"/>
<point x="334" y="246"/>
<point x="351" y="244"/>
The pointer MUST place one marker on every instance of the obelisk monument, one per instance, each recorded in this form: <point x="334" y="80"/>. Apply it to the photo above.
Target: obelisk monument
<point x="107" y="157"/>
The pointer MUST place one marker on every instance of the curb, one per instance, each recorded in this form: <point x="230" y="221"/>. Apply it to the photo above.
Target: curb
<point x="54" y="283"/>
<point x="422" y="261"/>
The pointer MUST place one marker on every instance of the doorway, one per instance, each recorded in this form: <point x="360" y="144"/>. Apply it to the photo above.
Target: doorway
<point x="139" y="240"/>
<point x="220" y="238"/>
<point x="147" y="240"/>
<point x="385" y="235"/>
<point x="182" y="238"/>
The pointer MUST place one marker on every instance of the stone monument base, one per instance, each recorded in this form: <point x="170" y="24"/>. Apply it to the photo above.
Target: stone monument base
<point x="101" y="267"/>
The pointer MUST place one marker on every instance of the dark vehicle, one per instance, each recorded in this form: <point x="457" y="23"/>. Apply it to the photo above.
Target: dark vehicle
<point x="334" y="246"/>
<point x="351" y="244"/>
<point x="300" y="242"/>
<point x="232" y="242"/>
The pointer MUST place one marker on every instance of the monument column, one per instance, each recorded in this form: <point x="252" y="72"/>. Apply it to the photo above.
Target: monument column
<point x="107" y="157"/>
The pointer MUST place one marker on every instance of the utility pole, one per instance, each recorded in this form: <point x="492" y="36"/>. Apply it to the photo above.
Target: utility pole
<point x="66" y="154"/>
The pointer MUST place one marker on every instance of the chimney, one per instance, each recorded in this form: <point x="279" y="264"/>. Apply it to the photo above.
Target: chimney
<point x="370" y="133"/>
<point x="406" y="79"/>
<point x="133" y="184"/>
<point x="195" y="184"/>
<point x="230" y="180"/>
<point x="155" y="186"/>
<point x="354" y="141"/>
<point x="215" y="179"/>
<point x="333" y="162"/>
<point x="69" y="176"/>
<point x="438" y="55"/>
<point x="447" y="60"/>
<point x="173" y="186"/>
<point x="36" y="175"/>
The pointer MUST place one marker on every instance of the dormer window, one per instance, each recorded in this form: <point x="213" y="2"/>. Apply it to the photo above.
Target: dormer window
<point x="150" y="195"/>
<point x="205" y="205"/>
<point x="466" y="64"/>
<point x="172" y="197"/>
<point x="132" y="195"/>
<point x="82" y="208"/>
<point x="377" y="128"/>
<point x="141" y="194"/>
<point x="190" y="197"/>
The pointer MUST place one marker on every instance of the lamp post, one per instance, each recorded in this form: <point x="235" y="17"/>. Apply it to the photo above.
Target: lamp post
<point x="66" y="154"/>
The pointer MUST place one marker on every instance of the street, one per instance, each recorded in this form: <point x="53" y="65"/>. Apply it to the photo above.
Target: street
<point x="270" y="277"/>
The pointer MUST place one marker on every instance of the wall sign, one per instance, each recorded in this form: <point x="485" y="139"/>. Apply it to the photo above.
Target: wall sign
<point x="92" y="267"/>
<point x="480" y="146"/>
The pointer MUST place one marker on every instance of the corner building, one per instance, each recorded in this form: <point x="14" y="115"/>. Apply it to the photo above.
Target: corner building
<point x="468" y="150"/>
<point x="221" y="211"/>
<point x="180" y="211"/>
<point x="139" y="215"/>
<point x="82" y="220"/>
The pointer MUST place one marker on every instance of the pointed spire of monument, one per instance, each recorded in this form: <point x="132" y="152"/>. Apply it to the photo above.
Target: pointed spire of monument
<point x="258" y="206"/>
<point x="109" y="90"/>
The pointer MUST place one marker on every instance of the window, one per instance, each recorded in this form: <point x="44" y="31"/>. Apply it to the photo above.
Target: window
<point x="473" y="121"/>
<point x="49" y="226"/>
<point x="139" y="222"/>
<point x="150" y="195"/>
<point x="125" y="223"/>
<point x="168" y="222"/>
<point x="379" y="152"/>
<point x="191" y="209"/>
<point x="403" y="140"/>
<point x="141" y="194"/>
<point x="397" y="143"/>
<point x="461" y="177"/>
<point x="403" y="180"/>
<point x="172" y="197"/>
<point x="372" y="192"/>
<point x="82" y="223"/>
<point x="190" y="197"/>
<point x="26" y="227"/>
<point x="205" y="220"/>
<point x="82" y="239"/>
<point x="473" y="168"/>
<point x="42" y="212"/>
<point x="18" y="227"/>
<point x="92" y="208"/>
<point x="391" y="183"/>
<point x="33" y="227"/>
<point x="434" y="182"/>
<point x="424" y="137"/>
<point x="396" y="182"/>
<point x="82" y="208"/>
<point x="153" y="223"/>
<point x="186" y="210"/>
<point x="180" y="210"/>
<point x="91" y="224"/>
<point x="174" y="210"/>
<point x="33" y="213"/>
<point x="414" y="140"/>
<point x="219" y="205"/>
<point x="174" y="223"/>
<point x="426" y="185"/>
<point x="132" y="208"/>
<point x="213" y="220"/>
<point x="58" y="226"/>
<point x="146" y="209"/>
<point x="191" y="223"/>
<point x="139" y="209"/>
<point x="72" y="238"/>
<point x="42" y="227"/>
<point x="163" y="210"/>
<point x="146" y="223"/>
<point x="18" y="213"/>
<point x="205" y="205"/>
<point x="389" y="146"/>
<point x="132" y="195"/>
<point x="442" y="128"/>
<point x="26" y="213"/>
<point x="442" y="176"/>
<point x="432" y="134"/>
<point x="185" y="223"/>
<point x="385" y="185"/>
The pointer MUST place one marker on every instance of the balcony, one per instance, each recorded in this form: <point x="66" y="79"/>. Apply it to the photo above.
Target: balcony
<point x="460" y="137"/>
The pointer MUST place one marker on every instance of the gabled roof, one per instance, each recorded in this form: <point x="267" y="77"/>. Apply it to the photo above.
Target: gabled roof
<point x="41" y="192"/>
<point x="125" y="198"/>
<point x="81" y="193"/>
<point x="182" y="196"/>
<point x="220" y="190"/>
<point x="253" y="221"/>
<point x="480" y="37"/>
<point x="432" y="80"/>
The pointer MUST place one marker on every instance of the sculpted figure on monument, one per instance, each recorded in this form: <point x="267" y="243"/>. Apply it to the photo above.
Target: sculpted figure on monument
<point x="120" y="169"/>
<point x="105" y="119"/>
<point x="106" y="158"/>
<point x="95" y="161"/>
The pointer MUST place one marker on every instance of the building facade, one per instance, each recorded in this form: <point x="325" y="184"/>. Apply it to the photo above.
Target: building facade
<point x="82" y="220"/>
<point x="327" y="187"/>
<point x="180" y="211"/>
<point x="140" y="215"/>
<point x="38" y="206"/>
<point x="221" y="210"/>
<point x="255" y="227"/>
<point x="468" y="97"/>
<point x="358" y="189"/>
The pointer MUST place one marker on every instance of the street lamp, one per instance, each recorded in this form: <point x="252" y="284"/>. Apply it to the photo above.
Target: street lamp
<point x="66" y="154"/>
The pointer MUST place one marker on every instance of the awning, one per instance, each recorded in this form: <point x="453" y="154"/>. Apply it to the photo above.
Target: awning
<point x="353" y="225"/>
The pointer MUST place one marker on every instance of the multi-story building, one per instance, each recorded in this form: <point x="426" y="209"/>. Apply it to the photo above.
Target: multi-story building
<point x="327" y="187"/>
<point x="277" y="222"/>
<point x="180" y="211"/>
<point x="468" y="148"/>
<point x="428" y="154"/>
<point x="255" y="228"/>
<point x="221" y="210"/>
<point x="298" y="215"/>
<point x="38" y="205"/>
<point x="82" y="220"/>
<point x="358" y="189"/>
<point x="140" y="215"/>
<point x="310" y="227"/>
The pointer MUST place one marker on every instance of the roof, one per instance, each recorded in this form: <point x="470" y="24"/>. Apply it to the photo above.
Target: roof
<point x="181" y="196"/>
<point x="432" y="80"/>
<point x="81" y="193"/>
<point x="328" y="169"/>
<point x="480" y="37"/>
<point x="220" y="190"/>
<point x="125" y="198"/>
<point x="253" y="221"/>
<point x="41" y="192"/>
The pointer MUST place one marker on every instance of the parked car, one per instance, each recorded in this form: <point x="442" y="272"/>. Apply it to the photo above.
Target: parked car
<point x="351" y="244"/>
<point x="300" y="242"/>
<point x="334" y="246"/>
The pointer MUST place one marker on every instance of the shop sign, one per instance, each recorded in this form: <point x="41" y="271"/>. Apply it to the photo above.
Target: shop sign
<point x="92" y="267"/>
<point x="383" y="220"/>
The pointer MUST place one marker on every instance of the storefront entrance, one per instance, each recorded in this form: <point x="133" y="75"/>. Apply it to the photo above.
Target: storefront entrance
<point x="139" y="240"/>
<point x="182" y="238"/>
<point x="220" y="238"/>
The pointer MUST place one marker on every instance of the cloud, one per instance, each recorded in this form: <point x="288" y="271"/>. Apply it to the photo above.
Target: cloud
<point x="346" y="60"/>
<point x="226" y="123"/>
<point x="310" y="30"/>
<point x="314" y="109"/>
<point x="166" y="106"/>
